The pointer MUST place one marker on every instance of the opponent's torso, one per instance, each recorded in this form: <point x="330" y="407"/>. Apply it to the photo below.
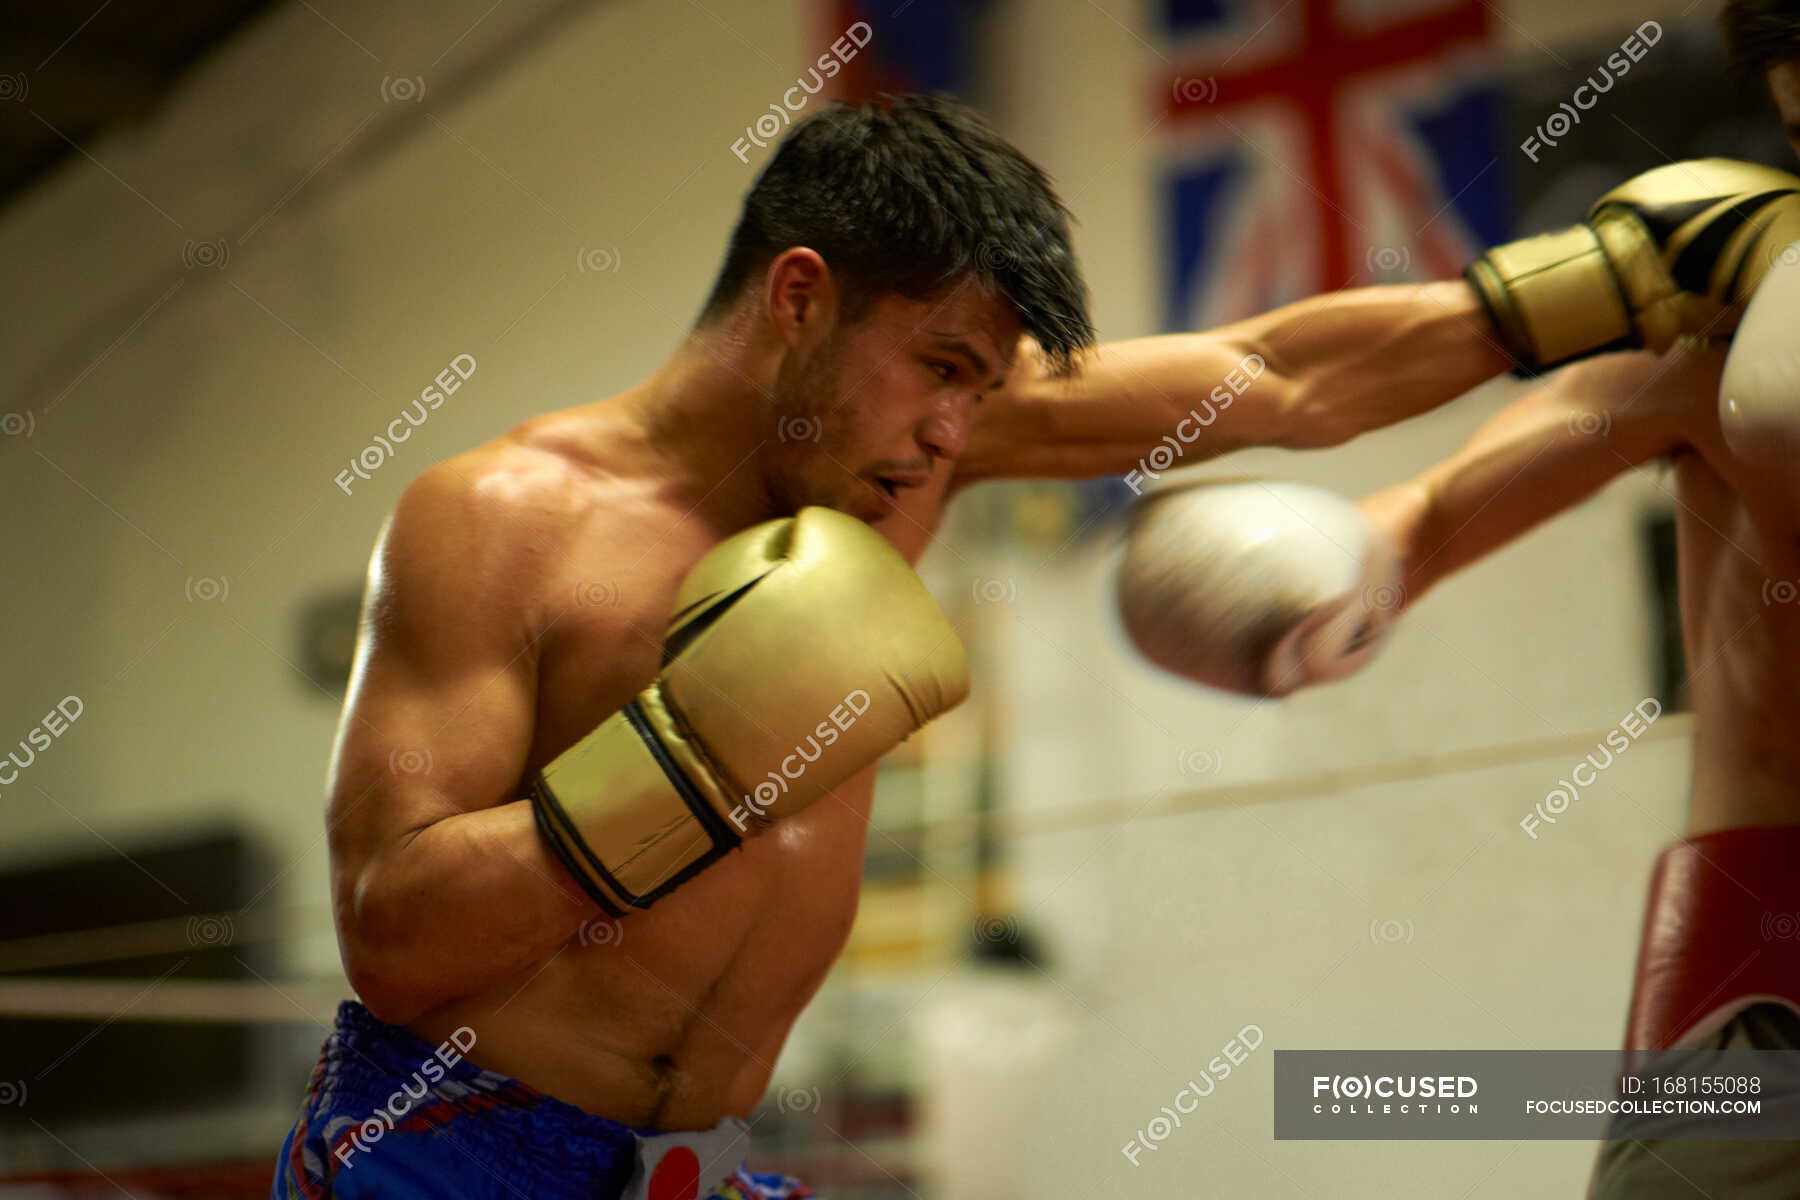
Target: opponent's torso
<point x="1739" y="554"/>
<point x="672" y="1017"/>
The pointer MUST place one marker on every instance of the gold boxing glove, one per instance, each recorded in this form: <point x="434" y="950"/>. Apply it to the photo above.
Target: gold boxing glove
<point x="801" y="650"/>
<point x="1677" y="250"/>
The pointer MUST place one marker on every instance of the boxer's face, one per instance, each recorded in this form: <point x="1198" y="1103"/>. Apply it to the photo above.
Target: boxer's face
<point x="1784" y="83"/>
<point x="885" y="404"/>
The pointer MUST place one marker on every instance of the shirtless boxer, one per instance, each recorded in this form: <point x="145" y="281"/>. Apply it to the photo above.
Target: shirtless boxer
<point x="1710" y="973"/>
<point x="588" y="642"/>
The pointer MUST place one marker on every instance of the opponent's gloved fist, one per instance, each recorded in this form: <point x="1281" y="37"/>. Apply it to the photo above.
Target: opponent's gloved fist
<point x="1759" y="394"/>
<point x="1256" y="587"/>
<point x="801" y="650"/>
<point x="1677" y="250"/>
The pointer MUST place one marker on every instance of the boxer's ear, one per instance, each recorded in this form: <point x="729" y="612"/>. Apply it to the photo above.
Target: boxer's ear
<point x="801" y="296"/>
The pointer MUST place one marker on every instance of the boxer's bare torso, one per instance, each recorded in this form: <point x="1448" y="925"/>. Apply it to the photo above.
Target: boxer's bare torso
<point x="673" y="1017"/>
<point x="1739" y="567"/>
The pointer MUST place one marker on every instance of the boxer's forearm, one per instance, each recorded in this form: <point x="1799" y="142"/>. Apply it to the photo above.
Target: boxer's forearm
<point x="1540" y="456"/>
<point x="1307" y="375"/>
<point x="454" y="909"/>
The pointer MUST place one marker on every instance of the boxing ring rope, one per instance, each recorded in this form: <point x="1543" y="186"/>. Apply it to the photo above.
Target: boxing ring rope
<point x="311" y="1000"/>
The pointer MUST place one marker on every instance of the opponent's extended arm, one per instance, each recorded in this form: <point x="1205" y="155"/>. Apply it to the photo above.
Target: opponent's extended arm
<point x="1310" y="374"/>
<point x="1543" y="454"/>
<point x="800" y="651"/>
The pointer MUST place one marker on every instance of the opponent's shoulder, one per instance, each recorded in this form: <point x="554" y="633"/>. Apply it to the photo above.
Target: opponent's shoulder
<point x="1668" y="401"/>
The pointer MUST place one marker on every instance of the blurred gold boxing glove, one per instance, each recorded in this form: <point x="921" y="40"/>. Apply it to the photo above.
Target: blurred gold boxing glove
<point x="1677" y="250"/>
<point x="801" y="650"/>
<point x="1256" y="586"/>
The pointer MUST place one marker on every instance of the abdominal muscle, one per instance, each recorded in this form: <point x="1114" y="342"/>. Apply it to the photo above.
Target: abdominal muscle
<point x="673" y="1017"/>
<point x="1739" y="554"/>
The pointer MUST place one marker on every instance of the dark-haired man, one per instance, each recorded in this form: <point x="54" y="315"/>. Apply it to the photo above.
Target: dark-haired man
<point x="651" y="647"/>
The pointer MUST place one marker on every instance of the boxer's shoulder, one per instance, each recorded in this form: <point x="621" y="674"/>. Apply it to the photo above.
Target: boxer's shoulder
<point x="1666" y="402"/>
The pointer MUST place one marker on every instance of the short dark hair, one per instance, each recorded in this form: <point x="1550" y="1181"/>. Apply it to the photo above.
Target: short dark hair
<point x="910" y="195"/>
<point x="1759" y="35"/>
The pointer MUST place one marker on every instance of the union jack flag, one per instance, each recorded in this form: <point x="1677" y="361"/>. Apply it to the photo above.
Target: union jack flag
<point x="1320" y="144"/>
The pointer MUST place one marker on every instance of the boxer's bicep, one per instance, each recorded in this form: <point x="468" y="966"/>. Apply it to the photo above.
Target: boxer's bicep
<point x="1543" y="454"/>
<point x="425" y="831"/>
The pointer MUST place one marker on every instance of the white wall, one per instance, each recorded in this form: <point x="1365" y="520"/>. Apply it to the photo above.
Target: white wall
<point x="188" y="423"/>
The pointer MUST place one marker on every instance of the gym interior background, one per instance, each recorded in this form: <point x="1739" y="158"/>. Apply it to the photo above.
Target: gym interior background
<point x="238" y="238"/>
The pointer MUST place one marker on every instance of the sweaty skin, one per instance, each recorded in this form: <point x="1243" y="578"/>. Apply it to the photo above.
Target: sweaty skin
<point x="1738" y="549"/>
<point x="518" y="593"/>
